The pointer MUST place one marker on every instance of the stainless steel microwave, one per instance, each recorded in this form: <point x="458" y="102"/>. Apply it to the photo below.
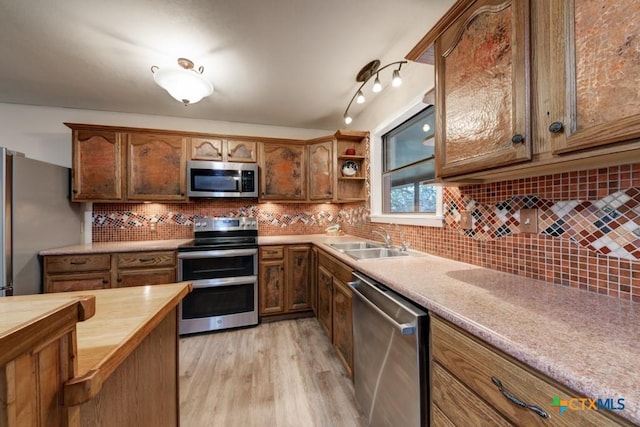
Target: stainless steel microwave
<point x="221" y="179"/>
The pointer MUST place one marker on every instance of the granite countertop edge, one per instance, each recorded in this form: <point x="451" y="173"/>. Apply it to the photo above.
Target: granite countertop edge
<point x="555" y="324"/>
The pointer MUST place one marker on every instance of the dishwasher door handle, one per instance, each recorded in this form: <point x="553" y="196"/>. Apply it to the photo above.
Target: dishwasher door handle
<point x="403" y="328"/>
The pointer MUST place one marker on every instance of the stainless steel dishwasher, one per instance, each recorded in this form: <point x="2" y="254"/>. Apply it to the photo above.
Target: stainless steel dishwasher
<point x="390" y="355"/>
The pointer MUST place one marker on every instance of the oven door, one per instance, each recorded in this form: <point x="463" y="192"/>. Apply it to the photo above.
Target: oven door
<point x="225" y="289"/>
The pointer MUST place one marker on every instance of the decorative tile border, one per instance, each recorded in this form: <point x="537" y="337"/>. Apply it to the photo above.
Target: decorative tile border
<point x="608" y="226"/>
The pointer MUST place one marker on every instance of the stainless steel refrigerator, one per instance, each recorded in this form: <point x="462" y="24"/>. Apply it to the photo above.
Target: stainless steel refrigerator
<point x="35" y="214"/>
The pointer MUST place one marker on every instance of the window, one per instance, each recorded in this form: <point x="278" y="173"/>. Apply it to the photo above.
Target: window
<point x="408" y="165"/>
<point x="403" y="169"/>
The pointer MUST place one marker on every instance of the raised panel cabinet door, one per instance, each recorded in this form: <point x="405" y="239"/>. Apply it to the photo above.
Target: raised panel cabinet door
<point x="343" y="324"/>
<point x="314" y="280"/>
<point x="206" y="149"/>
<point x="271" y="282"/>
<point x="482" y="89"/>
<point x="298" y="278"/>
<point x="144" y="277"/>
<point x="325" y="300"/>
<point x="282" y="172"/>
<point x="320" y="171"/>
<point x="241" y="151"/>
<point x="595" y="64"/>
<point x="97" y="166"/>
<point x="156" y="167"/>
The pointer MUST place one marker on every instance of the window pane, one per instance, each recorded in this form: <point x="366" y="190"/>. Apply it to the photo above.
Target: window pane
<point x="410" y="142"/>
<point x="427" y="198"/>
<point x="403" y="198"/>
<point x="401" y="186"/>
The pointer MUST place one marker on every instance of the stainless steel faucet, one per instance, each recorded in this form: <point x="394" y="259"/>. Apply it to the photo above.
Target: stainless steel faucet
<point x="385" y="235"/>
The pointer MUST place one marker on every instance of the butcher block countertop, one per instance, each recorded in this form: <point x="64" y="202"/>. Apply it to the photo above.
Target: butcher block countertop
<point x="588" y="342"/>
<point x="123" y="318"/>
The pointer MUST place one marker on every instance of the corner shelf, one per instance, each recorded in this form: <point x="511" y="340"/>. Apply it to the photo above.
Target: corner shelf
<point x="350" y="157"/>
<point x="351" y="178"/>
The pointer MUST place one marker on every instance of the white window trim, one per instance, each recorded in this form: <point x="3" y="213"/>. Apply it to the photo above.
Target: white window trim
<point x="424" y="219"/>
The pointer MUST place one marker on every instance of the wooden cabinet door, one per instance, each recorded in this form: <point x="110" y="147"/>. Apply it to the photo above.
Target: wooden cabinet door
<point x="325" y="300"/>
<point x="271" y="282"/>
<point x="97" y="166"/>
<point x="343" y="323"/>
<point x="314" y="280"/>
<point x="145" y="276"/>
<point x="595" y="95"/>
<point x="282" y="172"/>
<point x="241" y="151"/>
<point x="156" y="167"/>
<point x="77" y="282"/>
<point x="482" y="90"/>
<point x="206" y="149"/>
<point x="321" y="170"/>
<point x="298" y="283"/>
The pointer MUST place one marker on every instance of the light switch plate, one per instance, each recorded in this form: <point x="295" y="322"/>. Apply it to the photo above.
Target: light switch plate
<point x="528" y="220"/>
<point x="466" y="222"/>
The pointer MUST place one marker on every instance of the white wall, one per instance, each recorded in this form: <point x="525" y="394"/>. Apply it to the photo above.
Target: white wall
<point x="39" y="132"/>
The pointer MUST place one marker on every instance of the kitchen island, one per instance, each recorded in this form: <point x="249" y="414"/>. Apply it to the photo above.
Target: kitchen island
<point x="124" y="358"/>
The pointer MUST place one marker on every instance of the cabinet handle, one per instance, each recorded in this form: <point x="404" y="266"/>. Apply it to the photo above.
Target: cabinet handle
<point x="145" y="259"/>
<point x="517" y="138"/>
<point x="78" y="262"/>
<point x="538" y="410"/>
<point x="556" y="127"/>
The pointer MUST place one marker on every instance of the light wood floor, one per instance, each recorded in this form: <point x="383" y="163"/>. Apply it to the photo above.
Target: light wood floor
<point x="276" y="374"/>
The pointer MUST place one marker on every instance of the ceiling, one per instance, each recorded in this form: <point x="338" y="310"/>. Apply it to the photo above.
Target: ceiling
<point x="277" y="62"/>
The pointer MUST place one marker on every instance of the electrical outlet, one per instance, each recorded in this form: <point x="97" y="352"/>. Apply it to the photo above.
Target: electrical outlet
<point x="466" y="222"/>
<point x="529" y="220"/>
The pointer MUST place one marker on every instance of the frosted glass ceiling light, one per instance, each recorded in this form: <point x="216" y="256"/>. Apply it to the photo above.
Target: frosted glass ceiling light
<point x="364" y="75"/>
<point x="185" y="84"/>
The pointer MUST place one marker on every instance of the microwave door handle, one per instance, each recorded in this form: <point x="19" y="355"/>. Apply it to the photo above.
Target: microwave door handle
<point x="217" y="254"/>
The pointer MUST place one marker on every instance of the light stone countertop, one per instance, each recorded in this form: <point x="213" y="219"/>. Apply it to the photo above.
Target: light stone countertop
<point x="588" y="342"/>
<point x="108" y="247"/>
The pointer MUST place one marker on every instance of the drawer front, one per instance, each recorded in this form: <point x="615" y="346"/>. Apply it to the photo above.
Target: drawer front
<point x="271" y="252"/>
<point x="146" y="259"/>
<point x="459" y="405"/>
<point x="340" y="270"/>
<point x="474" y="364"/>
<point x="77" y="282"/>
<point x="76" y="263"/>
<point x="145" y="277"/>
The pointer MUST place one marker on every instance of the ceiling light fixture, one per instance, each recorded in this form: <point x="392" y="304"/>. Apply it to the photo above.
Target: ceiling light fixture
<point x="185" y="84"/>
<point x="364" y="75"/>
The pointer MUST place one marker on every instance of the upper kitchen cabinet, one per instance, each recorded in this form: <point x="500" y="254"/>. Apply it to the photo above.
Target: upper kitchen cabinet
<point x="557" y="75"/>
<point x="219" y="149"/>
<point x="156" y="167"/>
<point x="97" y="165"/>
<point x="321" y="169"/>
<point x="482" y="61"/>
<point x="351" y="165"/>
<point x="594" y="63"/>
<point x="282" y="171"/>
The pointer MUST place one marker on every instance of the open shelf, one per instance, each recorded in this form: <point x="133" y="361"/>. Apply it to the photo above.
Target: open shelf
<point x="351" y="178"/>
<point x="350" y="157"/>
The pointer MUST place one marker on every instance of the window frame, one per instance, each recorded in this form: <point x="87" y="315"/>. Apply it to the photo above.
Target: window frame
<point x="376" y="214"/>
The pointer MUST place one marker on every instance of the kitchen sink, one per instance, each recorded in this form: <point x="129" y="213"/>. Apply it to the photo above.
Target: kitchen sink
<point x="375" y="253"/>
<point x="348" y="246"/>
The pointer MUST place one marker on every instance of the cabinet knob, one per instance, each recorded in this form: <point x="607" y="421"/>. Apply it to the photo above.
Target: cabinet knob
<point x="517" y="139"/>
<point x="119" y="279"/>
<point x="105" y="281"/>
<point x="556" y="127"/>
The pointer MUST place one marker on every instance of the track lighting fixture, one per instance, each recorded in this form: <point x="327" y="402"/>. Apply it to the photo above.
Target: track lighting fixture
<point x="364" y="75"/>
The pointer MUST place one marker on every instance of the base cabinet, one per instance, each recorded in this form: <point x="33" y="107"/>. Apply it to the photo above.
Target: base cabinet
<point x="64" y="273"/>
<point x="466" y="374"/>
<point x="284" y="280"/>
<point x="334" y="310"/>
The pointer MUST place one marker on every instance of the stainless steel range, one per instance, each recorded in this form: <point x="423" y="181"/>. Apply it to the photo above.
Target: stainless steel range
<point x="222" y="264"/>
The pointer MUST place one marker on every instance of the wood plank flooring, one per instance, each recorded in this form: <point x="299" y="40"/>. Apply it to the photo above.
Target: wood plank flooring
<point x="277" y="374"/>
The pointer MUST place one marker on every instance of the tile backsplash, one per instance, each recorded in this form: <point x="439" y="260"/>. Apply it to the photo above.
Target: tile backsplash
<point x="588" y="226"/>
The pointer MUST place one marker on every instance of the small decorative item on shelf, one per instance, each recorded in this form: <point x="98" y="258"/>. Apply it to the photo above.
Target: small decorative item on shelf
<point x="350" y="152"/>
<point x="349" y="168"/>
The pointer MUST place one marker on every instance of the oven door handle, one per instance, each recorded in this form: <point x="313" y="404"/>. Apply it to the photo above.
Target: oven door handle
<point x="217" y="254"/>
<point x="227" y="281"/>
